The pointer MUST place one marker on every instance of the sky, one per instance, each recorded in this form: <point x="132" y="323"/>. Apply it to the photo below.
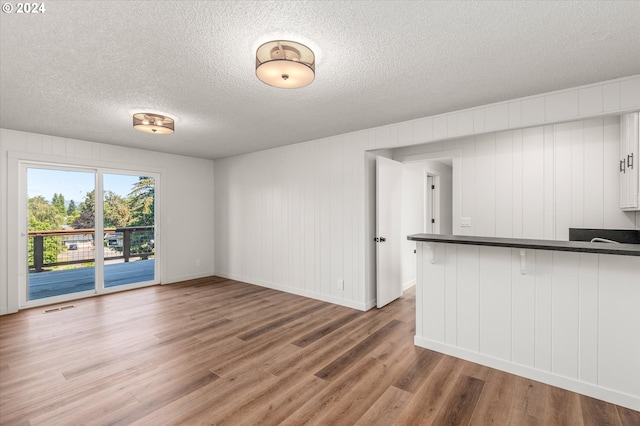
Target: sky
<point x="73" y="184"/>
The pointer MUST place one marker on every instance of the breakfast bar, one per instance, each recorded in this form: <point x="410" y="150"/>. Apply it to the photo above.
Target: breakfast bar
<point x="566" y="313"/>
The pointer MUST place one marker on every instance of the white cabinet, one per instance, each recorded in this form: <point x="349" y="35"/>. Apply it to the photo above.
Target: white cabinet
<point x="629" y="176"/>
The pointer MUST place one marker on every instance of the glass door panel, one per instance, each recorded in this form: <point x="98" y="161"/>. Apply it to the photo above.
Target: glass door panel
<point x="129" y="229"/>
<point x="61" y="237"/>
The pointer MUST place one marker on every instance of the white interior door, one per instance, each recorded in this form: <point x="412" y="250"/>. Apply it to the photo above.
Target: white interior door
<point x="388" y="230"/>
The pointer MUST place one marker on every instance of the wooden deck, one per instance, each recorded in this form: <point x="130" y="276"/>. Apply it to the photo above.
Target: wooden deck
<point x="55" y="283"/>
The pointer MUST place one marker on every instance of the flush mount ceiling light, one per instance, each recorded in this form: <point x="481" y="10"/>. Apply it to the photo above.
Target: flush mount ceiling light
<point x="285" y="64"/>
<point x="153" y="123"/>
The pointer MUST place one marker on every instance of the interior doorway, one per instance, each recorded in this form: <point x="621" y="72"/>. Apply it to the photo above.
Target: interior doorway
<point x="432" y="213"/>
<point x="426" y="207"/>
<point x="444" y="167"/>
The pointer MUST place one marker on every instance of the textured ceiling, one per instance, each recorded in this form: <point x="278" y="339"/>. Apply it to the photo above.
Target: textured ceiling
<point x="80" y="69"/>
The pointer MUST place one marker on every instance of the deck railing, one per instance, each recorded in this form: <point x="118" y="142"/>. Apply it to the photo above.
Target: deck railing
<point x="77" y="246"/>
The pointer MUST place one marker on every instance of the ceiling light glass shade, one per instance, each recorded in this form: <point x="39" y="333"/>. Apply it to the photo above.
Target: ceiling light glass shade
<point x="153" y="123"/>
<point x="285" y="64"/>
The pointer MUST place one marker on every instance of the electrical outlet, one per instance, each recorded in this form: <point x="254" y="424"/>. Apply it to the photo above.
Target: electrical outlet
<point x="197" y="262"/>
<point x="341" y="284"/>
<point x="465" y="222"/>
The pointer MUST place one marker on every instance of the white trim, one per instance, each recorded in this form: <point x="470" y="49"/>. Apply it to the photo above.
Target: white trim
<point x="609" y="395"/>
<point x="299" y="292"/>
<point x="416" y="158"/>
<point x="406" y="286"/>
<point x="19" y="163"/>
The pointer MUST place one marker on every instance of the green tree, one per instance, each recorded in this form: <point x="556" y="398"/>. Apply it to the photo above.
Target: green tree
<point x="52" y="246"/>
<point x="41" y="213"/>
<point x="116" y="210"/>
<point x="142" y="202"/>
<point x="71" y="210"/>
<point x="45" y="217"/>
<point x="58" y="203"/>
<point x="85" y="219"/>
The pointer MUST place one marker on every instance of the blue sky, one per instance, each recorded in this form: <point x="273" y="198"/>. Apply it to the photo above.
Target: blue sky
<point x="73" y="184"/>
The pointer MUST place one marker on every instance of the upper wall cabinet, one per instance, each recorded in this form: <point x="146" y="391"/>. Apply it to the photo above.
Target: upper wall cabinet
<point x="629" y="176"/>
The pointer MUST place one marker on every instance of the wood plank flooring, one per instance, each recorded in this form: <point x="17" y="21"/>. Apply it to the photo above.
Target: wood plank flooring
<point x="216" y="351"/>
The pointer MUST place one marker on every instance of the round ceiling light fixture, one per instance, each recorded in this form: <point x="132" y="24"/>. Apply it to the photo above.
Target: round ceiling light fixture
<point x="153" y="123"/>
<point x="285" y="64"/>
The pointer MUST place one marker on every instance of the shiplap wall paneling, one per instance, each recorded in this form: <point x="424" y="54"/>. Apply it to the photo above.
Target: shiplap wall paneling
<point x="629" y="93"/>
<point x="562" y="106"/>
<point x="543" y="307"/>
<point x="434" y="300"/>
<point x="504" y="164"/>
<point x="494" y="302"/>
<point x="590" y="100"/>
<point x="577" y="174"/>
<point x="593" y="173"/>
<point x="467" y="272"/>
<point x="523" y="292"/>
<point x="336" y="232"/>
<point x="468" y="196"/>
<point x="346" y="215"/>
<point x="548" y="215"/>
<point x="518" y="194"/>
<point x="563" y="162"/>
<point x="619" y="320"/>
<point x="532" y="182"/>
<point x="421" y="274"/>
<point x="451" y="292"/>
<point x="588" y="314"/>
<point x="324" y="254"/>
<point x="484" y="221"/>
<point x="315" y="157"/>
<point x="565" y="314"/>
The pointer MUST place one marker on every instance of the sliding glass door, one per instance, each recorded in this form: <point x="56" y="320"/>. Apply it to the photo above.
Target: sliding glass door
<point x="70" y="254"/>
<point x="129" y="229"/>
<point x="61" y="249"/>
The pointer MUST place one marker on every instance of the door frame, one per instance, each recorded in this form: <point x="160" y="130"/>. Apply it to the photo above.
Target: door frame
<point x="371" y="213"/>
<point x="432" y="215"/>
<point x="17" y="167"/>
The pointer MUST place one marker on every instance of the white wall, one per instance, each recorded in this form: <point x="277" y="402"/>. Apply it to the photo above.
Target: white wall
<point x="185" y="202"/>
<point x="312" y="194"/>
<point x="540" y="181"/>
<point x="413" y="208"/>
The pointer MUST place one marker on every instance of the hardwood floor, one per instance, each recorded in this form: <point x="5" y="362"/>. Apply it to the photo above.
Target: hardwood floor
<point x="216" y="351"/>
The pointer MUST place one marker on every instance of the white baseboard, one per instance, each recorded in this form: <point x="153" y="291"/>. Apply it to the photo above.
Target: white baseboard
<point x="406" y="286"/>
<point x="173" y="280"/>
<point x="300" y="292"/>
<point x="589" y="389"/>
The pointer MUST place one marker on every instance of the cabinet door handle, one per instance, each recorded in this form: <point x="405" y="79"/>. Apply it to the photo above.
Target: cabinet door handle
<point x="622" y="168"/>
<point x="630" y="161"/>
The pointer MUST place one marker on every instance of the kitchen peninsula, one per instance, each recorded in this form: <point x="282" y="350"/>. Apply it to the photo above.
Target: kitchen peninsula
<point x="566" y="313"/>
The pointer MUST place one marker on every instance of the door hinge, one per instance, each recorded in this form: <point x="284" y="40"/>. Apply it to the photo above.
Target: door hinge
<point x="433" y="221"/>
<point x="433" y="187"/>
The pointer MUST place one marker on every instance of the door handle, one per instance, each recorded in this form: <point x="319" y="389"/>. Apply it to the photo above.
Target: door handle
<point x="630" y="161"/>
<point x="622" y="167"/>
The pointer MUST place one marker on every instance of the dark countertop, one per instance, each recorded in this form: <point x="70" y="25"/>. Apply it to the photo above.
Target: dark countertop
<point x="577" y="246"/>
